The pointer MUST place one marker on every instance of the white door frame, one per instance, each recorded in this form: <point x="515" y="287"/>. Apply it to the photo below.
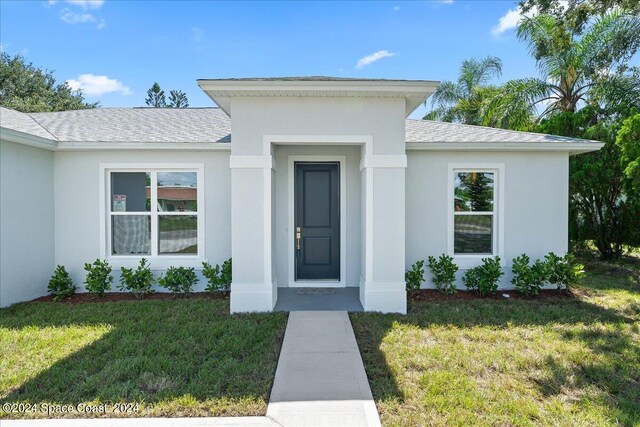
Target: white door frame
<point x="342" y="161"/>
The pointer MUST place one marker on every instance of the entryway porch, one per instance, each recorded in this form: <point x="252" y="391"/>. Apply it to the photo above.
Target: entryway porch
<point x="324" y="299"/>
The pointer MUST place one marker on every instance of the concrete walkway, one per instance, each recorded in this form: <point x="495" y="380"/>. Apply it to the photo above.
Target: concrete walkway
<point x="320" y="379"/>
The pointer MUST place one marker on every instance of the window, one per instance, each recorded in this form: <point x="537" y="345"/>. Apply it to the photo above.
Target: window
<point x="474" y="211"/>
<point x="154" y="212"/>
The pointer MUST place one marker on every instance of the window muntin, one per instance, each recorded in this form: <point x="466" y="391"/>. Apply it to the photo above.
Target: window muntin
<point x="171" y="228"/>
<point x="474" y="202"/>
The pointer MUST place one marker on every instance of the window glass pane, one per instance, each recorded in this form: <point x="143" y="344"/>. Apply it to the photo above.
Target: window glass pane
<point x="178" y="234"/>
<point x="473" y="234"/>
<point x="177" y="192"/>
<point x="473" y="192"/>
<point x="130" y="191"/>
<point x="131" y="234"/>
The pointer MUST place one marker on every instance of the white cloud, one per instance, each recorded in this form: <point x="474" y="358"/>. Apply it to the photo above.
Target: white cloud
<point x="396" y="8"/>
<point x="507" y="21"/>
<point x="94" y="85"/>
<point x="376" y="56"/>
<point x="87" y="4"/>
<point x="444" y="1"/>
<point x="76" y="18"/>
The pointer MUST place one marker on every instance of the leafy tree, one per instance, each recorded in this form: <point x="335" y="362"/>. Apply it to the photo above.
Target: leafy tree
<point x="155" y="97"/>
<point x="599" y="208"/>
<point x="463" y="101"/>
<point x="588" y="69"/>
<point x="27" y="88"/>
<point x="628" y="141"/>
<point x="178" y="99"/>
<point x="576" y="13"/>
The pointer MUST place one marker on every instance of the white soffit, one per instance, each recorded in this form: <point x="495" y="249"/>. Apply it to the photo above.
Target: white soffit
<point x="415" y="92"/>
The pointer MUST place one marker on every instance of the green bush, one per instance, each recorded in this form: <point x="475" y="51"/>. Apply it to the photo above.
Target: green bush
<point x="61" y="285"/>
<point x="415" y="276"/>
<point x="444" y="272"/>
<point x="219" y="278"/>
<point x="484" y="278"/>
<point x="179" y="280"/>
<point x="563" y="271"/>
<point x="138" y="281"/>
<point x="528" y="279"/>
<point x="99" y="277"/>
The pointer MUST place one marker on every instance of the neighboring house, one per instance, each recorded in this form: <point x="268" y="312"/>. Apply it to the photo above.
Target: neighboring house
<point x="303" y="181"/>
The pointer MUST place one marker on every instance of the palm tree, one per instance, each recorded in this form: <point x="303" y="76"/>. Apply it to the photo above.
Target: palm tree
<point x="589" y="69"/>
<point x="465" y="100"/>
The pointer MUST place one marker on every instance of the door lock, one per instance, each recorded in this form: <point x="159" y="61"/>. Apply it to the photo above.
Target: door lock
<point x="298" y="236"/>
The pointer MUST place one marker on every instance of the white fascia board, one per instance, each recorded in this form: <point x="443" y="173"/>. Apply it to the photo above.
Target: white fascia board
<point x="571" y="147"/>
<point x="23" y="138"/>
<point x="162" y="146"/>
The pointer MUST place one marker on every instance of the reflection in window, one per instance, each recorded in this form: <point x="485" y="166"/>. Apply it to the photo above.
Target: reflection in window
<point x="177" y="192"/>
<point x="473" y="212"/>
<point x="178" y="234"/>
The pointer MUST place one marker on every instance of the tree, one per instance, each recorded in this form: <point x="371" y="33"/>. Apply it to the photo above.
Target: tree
<point x="590" y="69"/>
<point x="628" y="141"/>
<point x="27" y="88"/>
<point x="576" y="13"/>
<point x="155" y="97"/>
<point x="464" y="100"/>
<point x="178" y="99"/>
<point x="599" y="207"/>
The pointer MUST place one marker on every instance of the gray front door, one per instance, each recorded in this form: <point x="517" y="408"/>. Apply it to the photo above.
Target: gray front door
<point x="317" y="221"/>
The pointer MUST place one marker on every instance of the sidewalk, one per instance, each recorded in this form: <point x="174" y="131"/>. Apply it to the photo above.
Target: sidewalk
<point x="320" y="379"/>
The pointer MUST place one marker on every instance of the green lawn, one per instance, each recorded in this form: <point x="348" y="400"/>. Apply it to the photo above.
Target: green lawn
<point x="173" y="358"/>
<point x="507" y="362"/>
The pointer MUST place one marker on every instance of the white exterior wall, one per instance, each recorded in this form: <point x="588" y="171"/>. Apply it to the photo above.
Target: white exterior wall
<point x="535" y="204"/>
<point x="26" y="222"/>
<point x="78" y="209"/>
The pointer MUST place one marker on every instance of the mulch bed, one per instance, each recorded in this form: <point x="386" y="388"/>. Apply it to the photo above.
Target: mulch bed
<point x="125" y="296"/>
<point x="434" y="295"/>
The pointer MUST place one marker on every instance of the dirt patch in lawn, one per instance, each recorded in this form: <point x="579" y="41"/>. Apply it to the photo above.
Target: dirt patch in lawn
<point x="434" y="295"/>
<point x="126" y="296"/>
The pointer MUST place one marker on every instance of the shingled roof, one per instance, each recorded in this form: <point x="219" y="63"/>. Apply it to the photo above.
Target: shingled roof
<point x="206" y="125"/>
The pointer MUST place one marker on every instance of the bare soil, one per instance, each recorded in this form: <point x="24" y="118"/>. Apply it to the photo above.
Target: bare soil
<point x="435" y="295"/>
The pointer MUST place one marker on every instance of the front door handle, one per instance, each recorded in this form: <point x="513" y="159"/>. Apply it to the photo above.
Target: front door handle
<point x="298" y="236"/>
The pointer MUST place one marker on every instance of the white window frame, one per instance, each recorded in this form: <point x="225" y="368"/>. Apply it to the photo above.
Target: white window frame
<point x="156" y="260"/>
<point x="497" y="241"/>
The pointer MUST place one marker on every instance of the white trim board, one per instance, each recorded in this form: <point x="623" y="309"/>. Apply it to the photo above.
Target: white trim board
<point x="342" y="160"/>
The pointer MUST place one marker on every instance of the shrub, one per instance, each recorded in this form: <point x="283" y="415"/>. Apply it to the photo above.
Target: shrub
<point x="484" y="278"/>
<point x="219" y="278"/>
<point x="444" y="273"/>
<point x="528" y="279"/>
<point x="138" y="281"/>
<point x="179" y="280"/>
<point x="61" y="285"/>
<point x="415" y="276"/>
<point x="563" y="271"/>
<point x="99" y="277"/>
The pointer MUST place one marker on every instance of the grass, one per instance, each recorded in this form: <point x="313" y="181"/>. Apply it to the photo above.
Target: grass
<point x="171" y="358"/>
<point x="573" y="361"/>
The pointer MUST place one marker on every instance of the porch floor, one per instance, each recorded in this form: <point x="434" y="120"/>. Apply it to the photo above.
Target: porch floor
<point x="325" y="299"/>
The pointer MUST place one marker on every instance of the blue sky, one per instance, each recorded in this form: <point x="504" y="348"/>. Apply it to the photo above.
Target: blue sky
<point x="115" y="50"/>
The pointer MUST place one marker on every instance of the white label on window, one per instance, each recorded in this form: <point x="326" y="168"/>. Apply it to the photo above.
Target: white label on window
<point x="119" y="202"/>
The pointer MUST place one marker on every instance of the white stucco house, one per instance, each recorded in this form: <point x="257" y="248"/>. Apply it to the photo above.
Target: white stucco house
<point x="303" y="181"/>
